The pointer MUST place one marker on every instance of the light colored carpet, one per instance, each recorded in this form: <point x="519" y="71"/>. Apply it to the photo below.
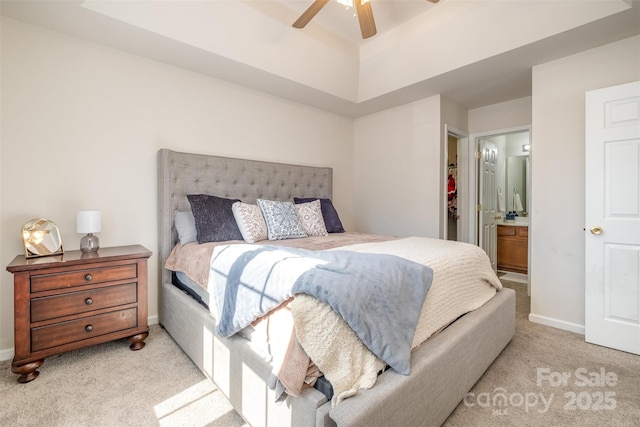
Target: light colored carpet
<point x="556" y="353"/>
<point x="109" y="385"/>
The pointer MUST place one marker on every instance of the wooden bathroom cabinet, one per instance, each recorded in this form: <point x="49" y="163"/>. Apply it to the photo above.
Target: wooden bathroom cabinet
<point x="513" y="243"/>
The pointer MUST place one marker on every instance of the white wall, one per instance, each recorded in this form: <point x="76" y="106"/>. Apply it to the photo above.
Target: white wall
<point x="81" y="126"/>
<point x="491" y="120"/>
<point x="557" y="219"/>
<point x="505" y="115"/>
<point x="453" y="115"/>
<point x="238" y="30"/>
<point x="436" y="42"/>
<point x="398" y="161"/>
<point x="397" y="170"/>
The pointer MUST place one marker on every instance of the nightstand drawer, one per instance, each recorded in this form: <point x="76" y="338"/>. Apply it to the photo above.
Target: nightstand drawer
<point x="47" y="282"/>
<point x="76" y="330"/>
<point x="80" y="302"/>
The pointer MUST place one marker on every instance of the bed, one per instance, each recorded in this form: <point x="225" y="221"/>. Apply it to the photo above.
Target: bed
<point x="442" y="369"/>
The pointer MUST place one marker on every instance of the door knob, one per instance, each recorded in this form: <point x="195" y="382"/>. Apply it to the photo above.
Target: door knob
<point x="596" y="230"/>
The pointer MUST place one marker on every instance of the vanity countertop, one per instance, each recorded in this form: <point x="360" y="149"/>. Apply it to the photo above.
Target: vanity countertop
<point x="519" y="222"/>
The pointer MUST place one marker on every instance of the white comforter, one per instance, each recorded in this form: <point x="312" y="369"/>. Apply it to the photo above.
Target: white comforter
<point x="463" y="280"/>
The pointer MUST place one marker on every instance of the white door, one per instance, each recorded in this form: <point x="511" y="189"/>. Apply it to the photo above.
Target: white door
<point x="488" y="201"/>
<point x="612" y="201"/>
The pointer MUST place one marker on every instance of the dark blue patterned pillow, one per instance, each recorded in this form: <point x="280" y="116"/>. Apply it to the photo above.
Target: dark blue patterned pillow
<point x="214" y="218"/>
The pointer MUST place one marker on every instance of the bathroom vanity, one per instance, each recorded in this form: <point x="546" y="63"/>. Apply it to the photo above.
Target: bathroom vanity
<point x="513" y="243"/>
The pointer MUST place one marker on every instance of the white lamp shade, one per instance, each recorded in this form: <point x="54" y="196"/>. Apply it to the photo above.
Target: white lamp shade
<point x="89" y="221"/>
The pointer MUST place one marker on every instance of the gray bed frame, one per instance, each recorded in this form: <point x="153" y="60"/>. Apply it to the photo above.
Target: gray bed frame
<point x="443" y="369"/>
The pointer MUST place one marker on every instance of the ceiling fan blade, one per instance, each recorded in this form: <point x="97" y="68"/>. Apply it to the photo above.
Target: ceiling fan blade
<point x="434" y="1"/>
<point x="365" y="16"/>
<point x="308" y="14"/>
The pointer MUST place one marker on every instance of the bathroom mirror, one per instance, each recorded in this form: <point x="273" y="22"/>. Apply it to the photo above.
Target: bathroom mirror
<point x="516" y="177"/>
<point x="41" y="237"/>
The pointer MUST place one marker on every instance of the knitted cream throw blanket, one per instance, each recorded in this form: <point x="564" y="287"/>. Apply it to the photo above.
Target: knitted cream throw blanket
<point x="463" y="280"/>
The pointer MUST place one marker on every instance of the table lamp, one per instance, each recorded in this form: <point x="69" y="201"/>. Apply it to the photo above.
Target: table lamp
<point x="89" y="222"/>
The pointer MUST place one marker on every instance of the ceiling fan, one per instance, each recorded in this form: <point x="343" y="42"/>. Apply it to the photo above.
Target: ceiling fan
<point x="363" y="10"/>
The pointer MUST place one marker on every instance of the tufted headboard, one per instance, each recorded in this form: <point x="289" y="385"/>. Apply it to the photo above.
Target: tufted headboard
<point x="180" y="174"/>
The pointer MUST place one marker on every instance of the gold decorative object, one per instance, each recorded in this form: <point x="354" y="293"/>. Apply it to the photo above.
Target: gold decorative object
<point x="41" y="237"/>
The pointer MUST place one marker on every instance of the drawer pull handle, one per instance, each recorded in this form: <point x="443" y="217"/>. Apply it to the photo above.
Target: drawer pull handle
<point x="88" y="301"/>
<point x="88" y="328"/>
<point x="88" y="277"/>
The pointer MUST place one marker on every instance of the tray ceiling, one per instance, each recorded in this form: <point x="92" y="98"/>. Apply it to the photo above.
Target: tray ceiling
<point x="473" y="52"/>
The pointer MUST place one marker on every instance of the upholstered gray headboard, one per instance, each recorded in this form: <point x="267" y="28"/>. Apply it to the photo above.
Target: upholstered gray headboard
<point x="180" y="174"/>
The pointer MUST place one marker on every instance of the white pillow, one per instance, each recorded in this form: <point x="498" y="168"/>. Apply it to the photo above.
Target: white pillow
<point x="185" y="225"/>
<point x="310" y="216"/>
<point x="282" y="220"/>
<point x="250" y="222"/>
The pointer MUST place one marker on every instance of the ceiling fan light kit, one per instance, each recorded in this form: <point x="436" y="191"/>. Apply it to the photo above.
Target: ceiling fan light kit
<point x="363" y="10"/>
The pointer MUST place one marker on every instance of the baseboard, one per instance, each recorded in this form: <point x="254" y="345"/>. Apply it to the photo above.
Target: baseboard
<point x="7" y="353"/>
<point x="514" y="277"/>
<point x="555" y="323"/>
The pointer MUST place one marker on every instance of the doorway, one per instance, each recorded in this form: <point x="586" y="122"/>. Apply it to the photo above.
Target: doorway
<point x="454" y="224"/>
<point x="452" y="191"/>
<point x="503" y="183"/>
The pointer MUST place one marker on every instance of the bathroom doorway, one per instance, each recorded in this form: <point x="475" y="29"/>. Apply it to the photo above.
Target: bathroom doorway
<point x="503" y="201"/>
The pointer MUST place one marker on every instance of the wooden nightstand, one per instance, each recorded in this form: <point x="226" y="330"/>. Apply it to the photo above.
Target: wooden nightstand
<point x="69" y="301"/>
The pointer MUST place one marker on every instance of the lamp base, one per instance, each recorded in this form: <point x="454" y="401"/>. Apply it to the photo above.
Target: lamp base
<point x="89" y="243"/>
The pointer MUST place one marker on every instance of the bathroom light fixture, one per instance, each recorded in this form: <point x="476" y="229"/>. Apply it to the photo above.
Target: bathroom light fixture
<point x="89" y="222"/>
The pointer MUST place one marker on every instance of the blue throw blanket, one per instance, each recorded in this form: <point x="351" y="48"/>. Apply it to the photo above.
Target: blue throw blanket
<point x="379" y="296"/>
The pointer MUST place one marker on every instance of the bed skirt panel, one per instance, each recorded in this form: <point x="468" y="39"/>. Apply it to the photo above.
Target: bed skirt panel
<point x="237" y="371"/>
<point x="443" y="370"/>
